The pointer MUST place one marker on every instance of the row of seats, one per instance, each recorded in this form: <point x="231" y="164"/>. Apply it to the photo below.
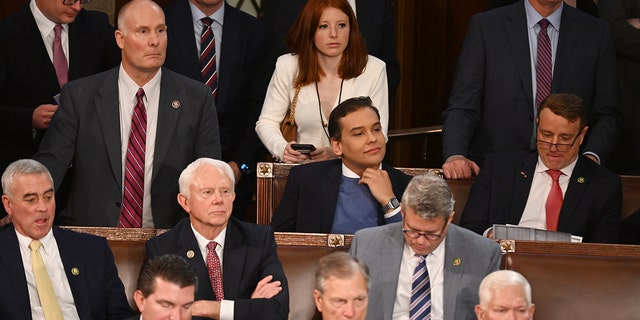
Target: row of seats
<point x="569" y="280"/>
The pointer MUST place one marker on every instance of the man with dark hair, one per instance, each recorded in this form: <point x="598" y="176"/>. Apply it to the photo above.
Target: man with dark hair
<point x="553" y="188"/>
<point x="166" y="288"/>
<point x="346" y="194"/>
<point x="342" y="287"/>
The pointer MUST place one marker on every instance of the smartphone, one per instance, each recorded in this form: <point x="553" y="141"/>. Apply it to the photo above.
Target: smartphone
<point x="303" y="147"/>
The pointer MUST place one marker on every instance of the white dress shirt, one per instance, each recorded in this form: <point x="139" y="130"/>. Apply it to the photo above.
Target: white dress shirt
<point x="46" y="31"/>
<point x="216" y="27"/>
<point x="55" y="269"/>
<point x="127" y="89"/>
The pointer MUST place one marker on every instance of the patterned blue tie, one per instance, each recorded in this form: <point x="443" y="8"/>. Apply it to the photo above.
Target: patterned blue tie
<point x="420" y="307"/>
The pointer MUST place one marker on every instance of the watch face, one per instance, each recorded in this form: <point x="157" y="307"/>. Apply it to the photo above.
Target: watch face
<point x="395" y="203"/>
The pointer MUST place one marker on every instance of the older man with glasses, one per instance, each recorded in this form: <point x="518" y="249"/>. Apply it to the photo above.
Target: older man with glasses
<point x="554" y="187"/>
<point x="45" y="44"/>
<point x="424" y="267"/>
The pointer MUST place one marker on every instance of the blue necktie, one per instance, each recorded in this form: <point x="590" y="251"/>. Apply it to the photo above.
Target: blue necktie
<point x="420" y="307"/>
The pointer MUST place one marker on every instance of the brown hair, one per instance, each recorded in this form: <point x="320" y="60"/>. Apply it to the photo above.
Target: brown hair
<point x="300" y="41"/>
<point x="566" y="105"/>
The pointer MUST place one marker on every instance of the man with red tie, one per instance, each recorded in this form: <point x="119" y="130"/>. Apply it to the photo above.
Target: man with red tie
<point x="240" y="275"/>
<point x="553" y="188"/>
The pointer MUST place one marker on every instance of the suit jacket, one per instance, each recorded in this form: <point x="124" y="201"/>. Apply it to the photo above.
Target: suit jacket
<point x="490" y="108"/>
<point x="375" y="20"/>
<point x="28" y="79"/>
<point x="97" y="291"/>
<point x="249" y="255"/>
<point x="311" y="195"/>
<point x="244" y="74"/>
<point x="85" y="133"/>
<point x="380" y="248"/>
<point x="591" y="208"/>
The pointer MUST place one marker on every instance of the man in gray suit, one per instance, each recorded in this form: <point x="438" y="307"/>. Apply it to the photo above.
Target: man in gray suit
<point x="92" y="129"/>
<point x="424" y="252"/>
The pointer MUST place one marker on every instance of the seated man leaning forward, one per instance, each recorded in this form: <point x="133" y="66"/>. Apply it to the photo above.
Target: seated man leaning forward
<point x="505" y="294"/>
<point x="166" y="289"/>
<point x="47" y="272"/>
<point x="236" y="262"/>
<point x="424" y="266"/>
<point x="554" y="188"/>
<point x="347" y="194"/>
<point x="342" y="287"/>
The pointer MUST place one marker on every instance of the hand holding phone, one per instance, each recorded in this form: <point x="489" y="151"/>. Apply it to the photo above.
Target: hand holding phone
<point x="303" y="147"/>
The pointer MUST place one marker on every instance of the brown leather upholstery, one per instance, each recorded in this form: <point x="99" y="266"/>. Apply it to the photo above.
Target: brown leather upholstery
<point x="272" y="178"/>
<point x="579" y="281"/>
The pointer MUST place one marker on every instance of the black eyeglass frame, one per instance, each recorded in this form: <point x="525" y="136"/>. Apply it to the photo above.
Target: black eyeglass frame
<point x="559" y="146"/>
<point x="413" y="234"/>
<point x="72" y="2"/>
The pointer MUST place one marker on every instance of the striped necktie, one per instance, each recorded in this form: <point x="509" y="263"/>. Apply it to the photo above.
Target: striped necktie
<point x="543" y="65"/>
<point x="420" y="307"/>
<point x="208" y="57"/>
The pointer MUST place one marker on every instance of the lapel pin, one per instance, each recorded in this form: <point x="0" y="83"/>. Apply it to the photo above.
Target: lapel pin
<point x="523" y="174"/>
<point x="580" y="179"/>
<point x="457" y="261"/>
<point x="175" y="104"/>
<point x="191" y="254"/>
<point x="75" y="271"/>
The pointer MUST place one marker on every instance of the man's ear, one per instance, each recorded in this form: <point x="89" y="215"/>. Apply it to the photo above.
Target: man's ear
<point x="7" y="204"/>
<point x="139" y="298"/>
<point x="182" y="201"/>
<point x="316" y="297"/>
<point x="336" y="146"/>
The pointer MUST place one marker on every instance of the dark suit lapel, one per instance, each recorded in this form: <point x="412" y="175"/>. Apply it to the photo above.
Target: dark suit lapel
<point x="12" y="266"/>
<point x="168" y="116"/>
<point x="187" y="243"/>
<point x="185" y="46"/>
<point x="453" y="273"/>
<point x="515" y="27"/>
<point x="234" y="261"/>
<point x="578" y="183"/>
<point x="567" y="41"/>
<point x="230" y="51"/>
<point x="79" y="41"/>
<point x="39" y="60"/>
<point x="70" y="259"/>
<point x="108" y="112"/>
<point x="524" y="177"/>
<point x="329" y="187"/>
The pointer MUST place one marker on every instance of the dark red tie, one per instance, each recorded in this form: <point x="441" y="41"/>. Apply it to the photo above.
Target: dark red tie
<point x="131" y="214"/>
<point x="59" y="59"/>
<point x="208" y="57"/>
<point x="215" y="270"/>
<point x="554" y="200"/>
<point x="543" y="65"/>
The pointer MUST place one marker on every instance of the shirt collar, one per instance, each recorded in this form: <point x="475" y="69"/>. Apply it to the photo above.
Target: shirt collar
<point x="202" y="241"/>
<point x="533" y="16"/>
<point x="437" y="252"/>
<point x="541" y="167"/>
<point x="44" y="24"/>
<point x="47" y="241"/>
<point x="350" y="174"/>
<point x="217" y="16"/>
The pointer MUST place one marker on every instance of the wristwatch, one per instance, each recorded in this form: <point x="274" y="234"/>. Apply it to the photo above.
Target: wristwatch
<point x="391" y="205"/>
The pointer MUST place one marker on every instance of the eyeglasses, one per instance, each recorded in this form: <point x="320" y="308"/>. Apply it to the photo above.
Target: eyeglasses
<point x="563" y="147"/>
<point x="72" y="2"/>
<point x="427" y="235"/>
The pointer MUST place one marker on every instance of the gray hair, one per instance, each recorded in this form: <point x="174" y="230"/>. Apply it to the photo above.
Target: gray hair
<point x="429" y="195"/>
<point x="500" y="279"/>
<point x="19" y="168"/>
<point x="187" y="175"/>
<point x="341" y="265"/>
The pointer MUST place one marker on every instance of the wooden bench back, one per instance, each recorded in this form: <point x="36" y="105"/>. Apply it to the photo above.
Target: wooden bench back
<point x="578" y="280"/>
<point x="272" y="179"/>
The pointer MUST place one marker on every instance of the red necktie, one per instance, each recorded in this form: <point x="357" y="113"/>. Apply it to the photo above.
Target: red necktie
<point x="59" y="59"/>
<point x="554" y="200"/>
<point x="131" y="215"/>
<point x="215" y="271"/>
<point x="208" y="57"/>
<point x="543" y="65"/>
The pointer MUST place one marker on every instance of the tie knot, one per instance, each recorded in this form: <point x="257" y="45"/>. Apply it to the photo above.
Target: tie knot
<point x="35" y="245"/>
<point x="57" y="30"/>
<point x="212" y="245"/>
<point x="555" y="174"/>
<point x="207" y="21"/>
<point x="544" y="23"/>
<point x="140" y="94"/>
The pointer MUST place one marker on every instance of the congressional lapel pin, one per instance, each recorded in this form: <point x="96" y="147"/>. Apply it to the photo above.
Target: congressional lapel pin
<point x="175" y="104"/>
<point x="523" y="174"/>
<point x="75" y="271"/>
<point x="191" y="254"/>
<point x="580" y="179"/>
<point x="457" y="261"/>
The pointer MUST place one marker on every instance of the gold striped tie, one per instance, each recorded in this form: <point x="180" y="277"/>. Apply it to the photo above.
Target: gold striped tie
<point x="48" y="300"/>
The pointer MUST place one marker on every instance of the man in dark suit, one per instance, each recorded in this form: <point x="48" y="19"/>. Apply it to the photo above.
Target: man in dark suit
<point x="375" y="19"/>
<point x="79" y="268"/>
<point x="165" y="289"/>
<point x="492" y="104"/>
<point x="347" y="194"/>
<point x="243" y="76"/>
<point x="28" y="81"/>
<point x="91" y="129"/>
<point x="513" y="188"/>
<point x="426" y="242"/>
<point x="236" y="262"/>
